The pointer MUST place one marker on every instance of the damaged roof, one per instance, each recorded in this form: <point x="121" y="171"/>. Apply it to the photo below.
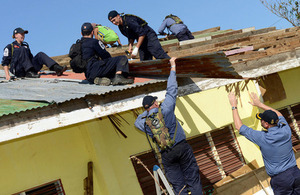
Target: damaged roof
<point x="250" y="52"/>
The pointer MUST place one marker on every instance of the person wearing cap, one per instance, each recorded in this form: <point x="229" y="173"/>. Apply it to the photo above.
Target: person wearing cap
<point x="135" y="28"/>
<point x="106" y="70"/>
<point x="179" y="161"/>
<point x="22" y="62"/>
<point x="180" y="30"/>
<point x="275" y="145"/>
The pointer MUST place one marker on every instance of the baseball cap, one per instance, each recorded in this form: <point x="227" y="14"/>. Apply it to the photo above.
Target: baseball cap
<point x="19" y="30"/>
<point x="112" y="14"/>
<point x="86" y="28"/>
<point x="148" y="101"/>
<point x="269" y="116"/>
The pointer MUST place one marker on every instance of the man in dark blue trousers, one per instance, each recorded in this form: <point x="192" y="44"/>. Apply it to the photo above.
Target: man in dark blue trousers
<point x="178" y="159"/>
<point x="102" y="69"/>
<point x="135" y="28"/>
<point x="22" y="62"/>
<point x="275" y="145"/>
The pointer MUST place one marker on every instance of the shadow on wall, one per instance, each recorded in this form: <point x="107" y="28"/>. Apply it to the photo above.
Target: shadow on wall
<point x="188" y="117"/>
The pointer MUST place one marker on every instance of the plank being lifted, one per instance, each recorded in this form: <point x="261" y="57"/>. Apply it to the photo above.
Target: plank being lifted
<point x="210" y="65"/>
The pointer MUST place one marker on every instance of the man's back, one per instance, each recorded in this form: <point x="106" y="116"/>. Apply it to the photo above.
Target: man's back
<point x="275" y="145"/>
<point x="93" y="48"/>
<point x="277" y="148"/>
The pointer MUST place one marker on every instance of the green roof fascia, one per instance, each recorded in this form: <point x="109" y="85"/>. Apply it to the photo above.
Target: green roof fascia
<point x="12" y="106"/>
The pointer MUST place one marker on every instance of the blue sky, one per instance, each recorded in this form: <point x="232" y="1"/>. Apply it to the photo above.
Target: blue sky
<point x="54" y="25"/>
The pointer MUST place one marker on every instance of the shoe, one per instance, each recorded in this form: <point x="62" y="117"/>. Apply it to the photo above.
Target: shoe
<point x="59" y="69"/>
<point x="113" y="45"/>
<point x="102" y="81"/>
<point x="31" y="74"/>
<point x="121" y="80"/>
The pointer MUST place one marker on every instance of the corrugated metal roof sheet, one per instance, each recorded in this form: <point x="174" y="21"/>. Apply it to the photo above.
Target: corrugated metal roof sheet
<point x="56" y="90"/>
<point x="34" y="93"/>
<point x="208" y="65"/>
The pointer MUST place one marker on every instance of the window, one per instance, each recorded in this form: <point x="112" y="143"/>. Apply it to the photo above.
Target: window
<point x="292" y="116"/>
<point x="217" y="153"/>
<point x="51" y="188"/>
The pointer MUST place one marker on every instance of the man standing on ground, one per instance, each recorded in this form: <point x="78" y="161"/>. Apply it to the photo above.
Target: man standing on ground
<point x="135" y="28"/>
<point x="107" y="69"/>
<point x="177" y="155"/>
<point x="275" y="145"/>
<point x="21" y="61"/>
<point x="176" y="26"/>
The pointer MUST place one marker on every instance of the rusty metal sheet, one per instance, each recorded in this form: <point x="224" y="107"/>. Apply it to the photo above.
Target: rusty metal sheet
<point x="211" y="65"/>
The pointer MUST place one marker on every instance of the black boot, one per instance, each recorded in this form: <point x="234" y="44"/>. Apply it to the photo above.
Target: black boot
<point x="32" y="74"/>
<point x="58" y="69"/>
<point x="121" y="80"/>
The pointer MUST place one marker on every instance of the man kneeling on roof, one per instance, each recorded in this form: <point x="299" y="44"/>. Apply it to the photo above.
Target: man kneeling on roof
<point x="106" y="70"/>
<point x="22" y="62"/>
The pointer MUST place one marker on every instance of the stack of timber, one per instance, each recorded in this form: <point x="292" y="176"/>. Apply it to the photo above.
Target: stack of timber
<point x="246" y="49"/>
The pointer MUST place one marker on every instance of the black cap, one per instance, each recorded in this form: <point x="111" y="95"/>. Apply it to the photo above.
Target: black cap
<point x="148" y="101"/>
<point x="269" y="116"/>
<point x="112" y="14"/>
<point x="86" y="28"/>
<point x="19" y="30"/>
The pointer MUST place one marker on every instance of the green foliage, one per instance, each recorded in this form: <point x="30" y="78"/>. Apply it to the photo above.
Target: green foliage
<point x="287" y="9"/>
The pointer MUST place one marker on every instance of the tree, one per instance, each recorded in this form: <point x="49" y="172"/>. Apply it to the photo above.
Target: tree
<point x="287" y="9"/>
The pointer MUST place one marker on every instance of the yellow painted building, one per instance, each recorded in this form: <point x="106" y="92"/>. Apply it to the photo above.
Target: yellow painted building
<point x="63" y="153"/>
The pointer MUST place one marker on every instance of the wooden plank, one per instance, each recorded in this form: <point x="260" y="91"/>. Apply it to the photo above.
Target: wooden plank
<point x="238" y="173"/>
<point x="214" y="29"/>
<point x="230" y="37"/>
<point x="211" y="65"/>
<point x="240" y="50"/>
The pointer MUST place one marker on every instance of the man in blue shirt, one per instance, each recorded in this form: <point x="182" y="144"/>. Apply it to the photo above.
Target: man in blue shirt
<point x="102" y="69"/>
<point x="179" y="29"/>
<point x="135" y="28"/>
<point x="22" y="63"/>
<point x="275" y="145"/>
<point x="179" y="162"/>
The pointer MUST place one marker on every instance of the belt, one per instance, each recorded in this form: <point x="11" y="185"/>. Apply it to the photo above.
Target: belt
<point x="169" y="149"/>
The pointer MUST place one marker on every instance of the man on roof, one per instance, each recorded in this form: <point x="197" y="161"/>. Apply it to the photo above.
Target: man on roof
<point x="102" y="69"/>
<point x="161" y="124"/>
<point x="135" y="28"/>
<point x="22" y="62"/>
<point x="275" y="145"/>
<point x="176" y="26"/>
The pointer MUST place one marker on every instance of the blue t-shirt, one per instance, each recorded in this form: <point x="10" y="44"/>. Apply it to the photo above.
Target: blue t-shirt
<point x="275" y="145"/>
<point x="167" y="109"/>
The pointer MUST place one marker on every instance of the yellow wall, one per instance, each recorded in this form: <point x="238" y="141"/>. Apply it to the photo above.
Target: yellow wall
<point x="291" y="83"/>
<point x="32" y="161"/>
<point x="64" y="153"/>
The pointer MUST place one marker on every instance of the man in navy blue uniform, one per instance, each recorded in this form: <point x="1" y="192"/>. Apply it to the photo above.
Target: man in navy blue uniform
<point x="107" y="69"/>
<point x="179" y="161"/>
<point x="180" y="30"/>
<point x="22" y="62"/>
<point x="135" y="28"/>
<point x="275" y="145"/>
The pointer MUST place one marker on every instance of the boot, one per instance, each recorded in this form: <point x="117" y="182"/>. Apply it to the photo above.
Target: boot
<point x="32" y="74"/>
<point x="121" y="80"/>
<point x="58" y="69"/>
<point x="102" y="81"/>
